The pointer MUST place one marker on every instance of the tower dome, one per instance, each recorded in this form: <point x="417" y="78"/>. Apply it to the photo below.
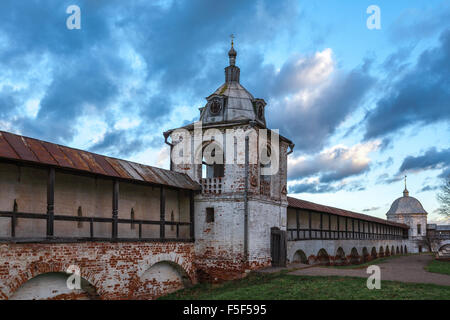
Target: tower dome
<point x="231" y="101"/>
<point x="232" y="55"/>
<point x="406" y="205"/>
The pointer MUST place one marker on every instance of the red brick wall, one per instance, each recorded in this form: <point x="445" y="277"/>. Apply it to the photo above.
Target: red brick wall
<point x="114" y="269"/>
<point x="214" y="265"/>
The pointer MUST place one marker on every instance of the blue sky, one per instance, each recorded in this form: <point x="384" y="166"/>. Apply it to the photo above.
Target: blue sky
<point x="364" y="107"/>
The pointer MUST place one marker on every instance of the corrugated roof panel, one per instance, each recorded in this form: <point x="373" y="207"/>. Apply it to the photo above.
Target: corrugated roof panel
<point x="90" y="160"/>
<point x="167" y="177"/>
<point x="41" y="153"/>
<point x="174" y="178"/>
<point x="23" y="148"/>
<point x="155" y="172"/>
<point x="20" y="147"/>
<point x="105" y="165"/>
<point x="178" y="178"/>
<point x="58" y="155"/>
<point x="6" y="151"/>
<point x="75" y="158"/>
<point x="118" y="168"/>
<point x="189" y="182"/>
<point x="129" y="169"/>
<point x="145" y="172"/>
<point x="307" y="205"/>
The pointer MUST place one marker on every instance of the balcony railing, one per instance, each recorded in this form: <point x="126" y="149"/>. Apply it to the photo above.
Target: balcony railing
<point x="212" y="185"/>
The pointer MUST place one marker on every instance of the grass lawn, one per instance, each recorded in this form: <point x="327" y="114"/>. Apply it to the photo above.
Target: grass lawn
<point x="439" y="267"/>
<point x="281" y="286"/>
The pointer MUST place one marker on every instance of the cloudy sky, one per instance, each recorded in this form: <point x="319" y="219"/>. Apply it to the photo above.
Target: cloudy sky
<point x="364" y="107"/>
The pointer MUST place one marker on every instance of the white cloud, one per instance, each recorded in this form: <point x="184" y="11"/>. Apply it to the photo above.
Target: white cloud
<point x="32" y="107"/>
<point x="126" y="123"/>
<point x="305" y="76"/>
<point x="311" y="98"/>
<point x="93" y="131"/>
<point x="163" y="156"/>
<point x="334" y="163"/>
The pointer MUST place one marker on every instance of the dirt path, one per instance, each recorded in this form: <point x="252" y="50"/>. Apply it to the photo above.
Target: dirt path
<point x="404" y="269"/>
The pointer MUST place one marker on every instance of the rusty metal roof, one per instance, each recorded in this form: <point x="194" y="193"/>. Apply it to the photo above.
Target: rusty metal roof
<point x="24" y="149"/>
<point x="306" y="205"/>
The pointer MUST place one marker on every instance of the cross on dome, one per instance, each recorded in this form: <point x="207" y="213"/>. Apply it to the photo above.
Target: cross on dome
<point x="405" y="192"/>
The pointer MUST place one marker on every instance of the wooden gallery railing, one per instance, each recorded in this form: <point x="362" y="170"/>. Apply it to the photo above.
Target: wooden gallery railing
<point x="51" y="217"/>
<point x="353" y="229"/>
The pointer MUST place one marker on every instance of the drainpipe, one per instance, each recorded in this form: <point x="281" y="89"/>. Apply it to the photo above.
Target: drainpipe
<point x="246" y="202"/>
<point x="166" y="136"/>
<point x="291" y="146"/>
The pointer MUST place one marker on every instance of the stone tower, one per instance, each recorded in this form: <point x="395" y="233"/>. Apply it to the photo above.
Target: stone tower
<point x="240" y="202"/>
<point x="409" y="210"/>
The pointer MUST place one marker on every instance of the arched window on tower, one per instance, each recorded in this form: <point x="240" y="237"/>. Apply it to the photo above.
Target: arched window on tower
<point x="216" y="169"/>
<point x="265" y="179"/>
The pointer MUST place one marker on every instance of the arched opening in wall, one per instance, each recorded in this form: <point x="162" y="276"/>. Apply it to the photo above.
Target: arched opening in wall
<point x="381" y="252"/>
<point x="354" y="256"/>
<point x="397" y="250"/>
<point x="373" y="253"/>
<point x="300" y="257"/>
<point x="365" y="254"/>
<point x="401" y="249"/>
<point x="213" y="165"/>
<point x="392" y="250"/>
<point x="163" y="278"/>
<point x="53" y="286"/>
<point x="265" y="165"/>
<point x="322" y="257"/>
<point x="406" y="249"/>
<point x="444" y="252"/>
<point x="387" y="253"/>
<point x="340" y="258"/>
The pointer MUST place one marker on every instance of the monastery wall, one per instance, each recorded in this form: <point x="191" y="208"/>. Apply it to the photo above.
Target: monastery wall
<point x="134" y="270"/>
<point x="77" y="195"/>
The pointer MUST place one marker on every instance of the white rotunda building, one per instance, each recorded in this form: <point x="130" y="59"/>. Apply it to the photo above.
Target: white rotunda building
<point x="409" y="210"/>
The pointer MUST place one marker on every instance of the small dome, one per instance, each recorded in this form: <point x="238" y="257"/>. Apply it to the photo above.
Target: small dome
<point x="406" y="205"/>
<point x="239" y="101"/>
<point x="232" y="52"/>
